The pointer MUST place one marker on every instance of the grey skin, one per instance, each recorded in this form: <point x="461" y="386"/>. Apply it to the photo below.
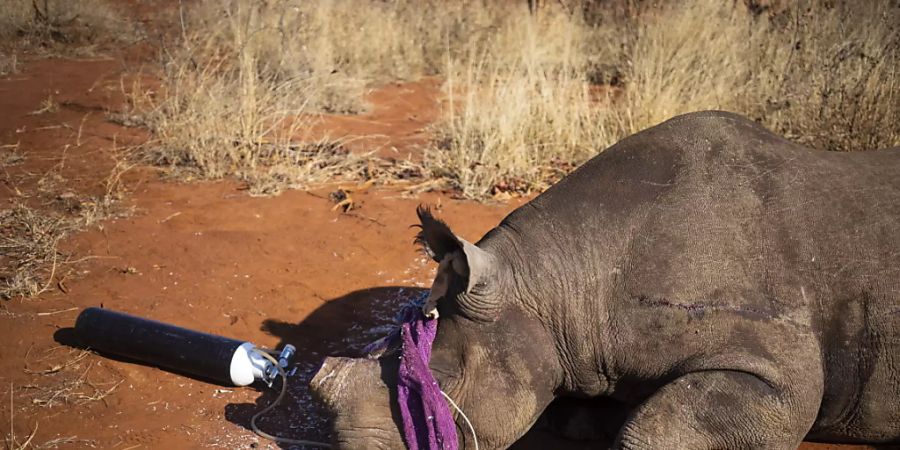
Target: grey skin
<point x="733" y="289"/>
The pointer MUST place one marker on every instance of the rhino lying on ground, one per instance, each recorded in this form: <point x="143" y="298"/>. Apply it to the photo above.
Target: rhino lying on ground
<point x="732" y="289"/>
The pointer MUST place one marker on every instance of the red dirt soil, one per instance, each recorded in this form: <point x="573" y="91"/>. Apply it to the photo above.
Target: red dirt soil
<point x="205" y="256"/>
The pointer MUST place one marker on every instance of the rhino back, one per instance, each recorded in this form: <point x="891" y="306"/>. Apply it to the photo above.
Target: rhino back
<point x="708" y="240"/>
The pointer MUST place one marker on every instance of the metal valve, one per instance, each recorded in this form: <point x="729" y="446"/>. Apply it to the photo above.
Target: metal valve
<point x="284" y="360"/>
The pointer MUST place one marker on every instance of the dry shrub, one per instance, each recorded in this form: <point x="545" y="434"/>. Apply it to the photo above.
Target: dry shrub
<point x="522" y="111"/>
<point x="834" y="75"/>
<point x="233" y="106"/>
<point x="63" y="26"/>
<point x="822" y="73"/>
<point x="524" y="107"/>
<point x="242" y="80"/>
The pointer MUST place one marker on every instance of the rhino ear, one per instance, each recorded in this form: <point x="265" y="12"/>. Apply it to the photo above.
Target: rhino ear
<point x="457" y="258"/>
<point x="434" y="235"/>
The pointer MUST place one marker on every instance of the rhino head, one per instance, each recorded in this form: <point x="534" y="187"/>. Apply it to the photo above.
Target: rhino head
<point x="491" y="356"/>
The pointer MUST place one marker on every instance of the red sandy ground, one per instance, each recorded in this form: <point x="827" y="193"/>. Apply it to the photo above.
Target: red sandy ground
<point x="208" y="257"/>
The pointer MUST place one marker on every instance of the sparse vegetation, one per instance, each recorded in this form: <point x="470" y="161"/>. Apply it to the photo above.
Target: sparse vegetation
<point x="530" y="95"/>
<point x="63" y="26"/>
<point x="245" y="76"/>
<point x="834" y="79"/>
<point x="824" y="75"/>
<point x="30" y="259"/>
<point x="522" y="109"/>
<point x="287" y="60"/>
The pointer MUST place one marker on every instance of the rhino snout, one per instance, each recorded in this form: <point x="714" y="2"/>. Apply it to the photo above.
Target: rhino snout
<point x="330" y="381"/>
<point x="359" y="399"/>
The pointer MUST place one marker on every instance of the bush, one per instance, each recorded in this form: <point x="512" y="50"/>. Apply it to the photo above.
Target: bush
<point x="63" y="26"/>
<point x="530" y="95"/>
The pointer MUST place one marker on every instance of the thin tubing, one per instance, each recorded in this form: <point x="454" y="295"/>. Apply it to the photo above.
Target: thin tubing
<point x="277" y="401"/>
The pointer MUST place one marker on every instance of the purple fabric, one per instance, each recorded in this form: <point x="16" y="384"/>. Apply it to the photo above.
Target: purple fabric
<point x="427" y="421"/>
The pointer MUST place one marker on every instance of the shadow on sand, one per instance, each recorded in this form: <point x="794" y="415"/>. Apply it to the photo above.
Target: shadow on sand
<point x="343" y="326"/>
<point x="340" y="327"/>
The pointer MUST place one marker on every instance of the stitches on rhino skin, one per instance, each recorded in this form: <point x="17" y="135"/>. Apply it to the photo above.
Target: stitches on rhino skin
<point x="700" y="308"/>
<point x="696" y="310"/>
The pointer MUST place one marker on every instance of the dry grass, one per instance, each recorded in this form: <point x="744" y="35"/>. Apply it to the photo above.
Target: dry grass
<point x="245" y="75"/>
<point x="242" y="80"/>
<point x="48" y="105"/>
<point x="522" y="109"/>
<point x="834" y="81"/>
<point x="74" y="390"/>
<point x="690" y="56"/>
<point x="333" y="50"/>
<point x="60" y="27"/>
<point x="822" y="73"/>
<point x="203" y="130"/>
<point x="28" y="250"/>
<point x="63" y="26"/>
<point x="11" y="441"/>
<point x="65" y="377"/>
<point x="524" y="106"/>
<point x="32" y="229"/>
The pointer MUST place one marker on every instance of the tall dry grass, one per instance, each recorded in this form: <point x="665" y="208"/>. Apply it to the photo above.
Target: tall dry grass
<point x="522" y="111"/>
<point x="690" y="56"/>
<point x="242" y="81"/>
<point x="233" y="103"/>
<point x="823" y="73"/>
<point x="523" y="102"/>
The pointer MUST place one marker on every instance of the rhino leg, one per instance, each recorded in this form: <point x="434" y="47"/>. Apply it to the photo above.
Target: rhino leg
<point x="714" y="410"/>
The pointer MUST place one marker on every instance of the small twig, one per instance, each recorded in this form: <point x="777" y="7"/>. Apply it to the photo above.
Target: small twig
<point x="30" y="437"/>
<point x="58" y="367"/>
<point x="53" y="443"/>
<point x="100" y="395"/>
<point x="52" y="271"/>
<point x="50" y="313"/>
<point x="80" y="129"/>
<point x="61" y="284"/>
<point x="171" y="216"/>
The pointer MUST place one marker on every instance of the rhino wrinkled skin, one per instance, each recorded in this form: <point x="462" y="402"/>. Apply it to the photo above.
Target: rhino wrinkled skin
<point x="730" y="289"/>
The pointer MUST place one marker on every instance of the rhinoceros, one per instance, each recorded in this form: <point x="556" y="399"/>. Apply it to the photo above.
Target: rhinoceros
<point x="730" y="288"/>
